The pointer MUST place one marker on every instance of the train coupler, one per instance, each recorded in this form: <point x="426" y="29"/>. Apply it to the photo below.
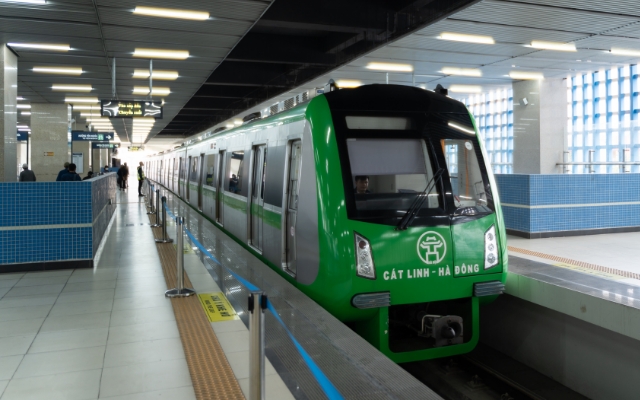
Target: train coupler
<point x="444" y="329"/>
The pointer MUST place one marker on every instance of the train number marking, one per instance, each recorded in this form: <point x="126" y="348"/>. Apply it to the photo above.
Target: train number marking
<point x="431" y="247"/>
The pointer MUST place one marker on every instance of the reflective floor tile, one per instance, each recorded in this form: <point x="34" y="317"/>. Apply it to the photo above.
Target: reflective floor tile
<point x="135" y="303"/>
<point x="21" y="327"/>
<point x="47" y="274"/>
<point x="3" y="385"/>
<point x="8" y="283"/>
<point x="142" y="332"/>
<point x="146" y="377"/>
<point x="232" y="342"/>
<point x="36" y="300"/>
<point x="239" y="363"/>
<point x="66" y="340"/>
<point x="14" y="345"/>
<point x="53" y="280"/>
<point x="9" y="365"/>
<point x="181" y="393"/>
<point x="85" y="307"/>
<point x="11" y="275"/>
<point x="26" y="312"/>
<point x="93" y="276"/>
<point x="82" y="385"/>
<point x="57" y="362"/>
<point x="274" y="388"/>
<point x="89" y="286"/>
<point x="95" y="295"/>
<point x="34" y="290"/>
<point x="79" y="321"/>
<point x="228" y="326"/>
<point x="141" y="316"/>
<point x="143" y="352"/>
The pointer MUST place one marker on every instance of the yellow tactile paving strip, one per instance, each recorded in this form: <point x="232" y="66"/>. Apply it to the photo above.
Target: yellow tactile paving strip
<point x="210" y="371"/>
<point x="613" y="271"/>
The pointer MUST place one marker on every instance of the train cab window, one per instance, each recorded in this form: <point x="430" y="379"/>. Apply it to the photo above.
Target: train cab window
<point x="467" y="183"/>
<point x="235" y="163"/>
<point x="388" y="174"/>
<point x="209" y="176"/>
<point x="193" y="174"/>
<point x="378" y="123"/>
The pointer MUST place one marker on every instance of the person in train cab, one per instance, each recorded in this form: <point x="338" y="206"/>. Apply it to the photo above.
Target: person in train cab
<point x="362" y="184"/>
<point x="233" y="183"/>
<point x="71" y="175"/>
<point x="63" y="172"/>
<point x="89" y="176"/>
<point x="141" y="179"/>
<point x="27" y="175"/>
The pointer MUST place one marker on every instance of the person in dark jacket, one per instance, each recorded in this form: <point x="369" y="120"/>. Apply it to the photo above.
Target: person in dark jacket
<point x="27" y="175"/>
<point x="63" y="172"/>
<point x="71" y="175"/>
<point x="89" y="176"/>
<point x="141" y="179"/>
<point x="125" y="176"/>
<point x="122" y="171"/>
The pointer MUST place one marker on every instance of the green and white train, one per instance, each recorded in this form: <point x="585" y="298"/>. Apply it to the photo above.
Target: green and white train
<point x="406" y="260"/>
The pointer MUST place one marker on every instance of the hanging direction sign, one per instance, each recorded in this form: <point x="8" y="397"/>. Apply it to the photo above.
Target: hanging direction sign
<point x="23" y="136"/>
<point x="131" y="109"/>
<point x="102" y="145"/>
<point x="78" y="136"/>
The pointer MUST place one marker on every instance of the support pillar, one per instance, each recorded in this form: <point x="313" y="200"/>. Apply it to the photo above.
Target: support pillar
<point x="105" y="157"/>
<point x="539" y="126"/>
<point x="96" y="162"/>
<point x="85" y="149"/>
<point x="49" y="140"/>
<point x="8" y="115"/>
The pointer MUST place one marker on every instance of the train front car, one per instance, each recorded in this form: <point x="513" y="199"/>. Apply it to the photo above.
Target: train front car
<point x="416" y="239"/>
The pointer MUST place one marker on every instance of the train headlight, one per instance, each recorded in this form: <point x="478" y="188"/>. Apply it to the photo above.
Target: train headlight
<point x="364" y="261"/>
<point x="490" y="248"/>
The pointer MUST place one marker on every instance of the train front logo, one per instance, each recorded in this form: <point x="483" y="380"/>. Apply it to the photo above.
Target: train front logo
<point x="431" y="247"/>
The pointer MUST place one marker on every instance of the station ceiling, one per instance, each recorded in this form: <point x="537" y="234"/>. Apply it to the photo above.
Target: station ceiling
<point x="252" y="53"/>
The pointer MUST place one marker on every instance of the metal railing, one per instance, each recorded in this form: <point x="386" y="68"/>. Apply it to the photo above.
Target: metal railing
<point x="592" y="163"/>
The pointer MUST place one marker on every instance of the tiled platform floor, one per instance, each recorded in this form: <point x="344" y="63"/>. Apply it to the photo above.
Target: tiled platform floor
<point x="106" y="333"/>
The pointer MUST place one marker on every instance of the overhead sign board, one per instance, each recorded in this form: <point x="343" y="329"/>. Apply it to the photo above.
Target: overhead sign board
<point x="23" y="136"/>
<point x="136" y="148"/>
<point x="131" y="109"/>
<point x="103" y="145"/>
<point x="78" y="136"/>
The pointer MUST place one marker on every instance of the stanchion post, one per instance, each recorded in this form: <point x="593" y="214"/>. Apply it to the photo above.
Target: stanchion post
<point x="165" y="238"/>
<point x="180" y="290"/>
<point x="257" y="305"/>
<point x="150" y="206"/>
<point x="157" y="224"/>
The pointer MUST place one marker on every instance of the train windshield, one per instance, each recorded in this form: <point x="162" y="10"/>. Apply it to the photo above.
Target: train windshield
<point x="393" y="161"/>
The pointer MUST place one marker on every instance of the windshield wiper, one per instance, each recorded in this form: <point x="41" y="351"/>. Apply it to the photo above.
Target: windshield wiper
<point x="412" y="212"/>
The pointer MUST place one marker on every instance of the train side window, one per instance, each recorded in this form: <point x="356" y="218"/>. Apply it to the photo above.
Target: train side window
<point x="209" y="173"/>
<point x="193" y="175"/>
<point x="235" y="163"/>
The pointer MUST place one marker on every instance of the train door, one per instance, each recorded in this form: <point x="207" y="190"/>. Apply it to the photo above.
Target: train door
<point x="257" y="195"/>
<point x="200" y="177"/>
<point x="180" y="172"/>
<point x="291" y="205"/>
<point x="187" y="188"/>
<point x="220" y="187"/>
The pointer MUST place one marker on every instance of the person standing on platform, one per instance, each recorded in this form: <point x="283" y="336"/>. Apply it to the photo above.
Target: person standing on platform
<point x="125" y="177"/>
<point x="27" y="175"/>
<point x="120" y="174"/>
<point x="71" y="175"/>
<point x="63" y="172"/>
<point x="141" y="179"/>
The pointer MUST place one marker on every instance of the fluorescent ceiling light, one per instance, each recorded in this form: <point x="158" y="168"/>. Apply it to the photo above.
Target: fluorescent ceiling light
<point x="89" y="114"/>
<point x="625" y="52"/>
<point x="461" y="37"/>
<point x="23" y="127"/>
<point x="157" y="74"/>
<point x="538" y="44"/>
<point x="26" y="1"/>
<point x="59" y="70"/>
<point x="41" y="46"/>
<point x="526" y="75"/>
<point x="20" y="98"/>
<point x="390" y="67"/>
<point x="72" y="88"/>
<point x="25" y="112"/>
<point x="171" y="13"/>
<point x="81" y="100"/>
<point x="89" y="108"/>
<point x="159" y="53"/>
<point x="465" y="89"/>
<point x="160" y="91"/>
<point x="229" y="126"/>
<point x="461" y="128"/>
<point x="24" y="106"/>
<point x="237" y="122"/>
<point x="461" y="71"/>
<point x="348" y="83"/>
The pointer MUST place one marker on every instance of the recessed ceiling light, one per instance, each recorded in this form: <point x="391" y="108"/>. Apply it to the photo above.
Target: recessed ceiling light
<point x="158" y="91"/>
<point x="524" y="75"/>
<point x="390" y="67"/>
<point x="539" y="44"/>
<point x="624" y="52"/>
<point x="157" y="74"/>
<point x="59" y="70"/>
<point x="81" y="100"/>
<point x="24" y="106"/>
<point x="172" y="13"/>
<point x="465" y="89"/>
<point x="26" y="1"/>
<point x="461" y="71"/>
<point x="72" y="88"/>
<point x="79" y="108"/>
<point x="20" y="98"/>
<point x="41" y="46"/>
<point x="348" y="83"/>
<point x="461" y="37"/>
<point x="89" y="114"/>
<point x="25" y="112"/>
<point x="160" y="53"/>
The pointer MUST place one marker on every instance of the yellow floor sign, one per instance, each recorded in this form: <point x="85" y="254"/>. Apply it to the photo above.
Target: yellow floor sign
<point x="217" y="307"/>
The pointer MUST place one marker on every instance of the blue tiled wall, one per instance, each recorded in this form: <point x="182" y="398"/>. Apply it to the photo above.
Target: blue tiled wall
<point x="553" y="203"/>
<point x="54" y="221"/>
